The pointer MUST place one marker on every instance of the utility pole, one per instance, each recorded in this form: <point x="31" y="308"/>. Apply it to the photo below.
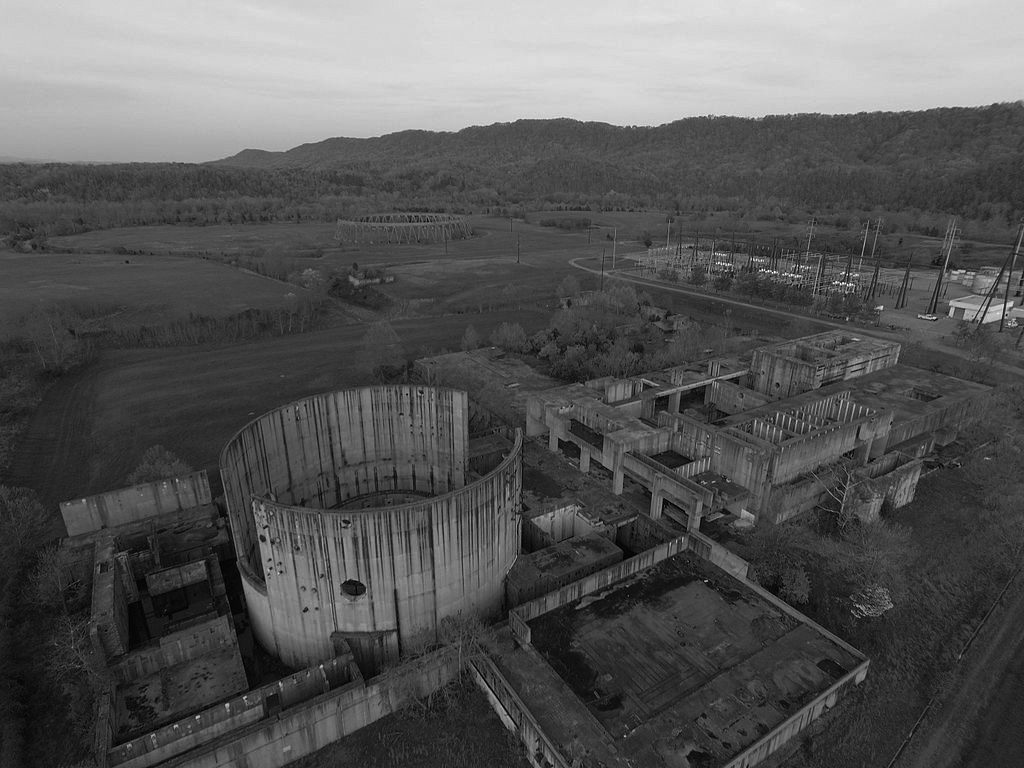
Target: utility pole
<point x="948" y="241"/>
<point x="878" y="262"/>
<point x="444" y="231"/>
<point x="901" y="299"/>
<point x="615" y="240"/>
<point x="1009" y="277"/>
<point x="863" y="247"/>
<point x="810" y="234"/>
<point x="668" y="234"/>
<point x="603" y="251"/>
<point x="517" y="249"/>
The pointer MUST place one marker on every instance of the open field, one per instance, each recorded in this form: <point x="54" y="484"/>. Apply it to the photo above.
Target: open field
<point x="278" y="237"/>
<point x="138" y="288"/>
<point x="93" y="425"/>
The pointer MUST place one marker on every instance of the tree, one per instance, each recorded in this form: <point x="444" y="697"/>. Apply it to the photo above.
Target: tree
<point x="722" y="281"/>
<point x="381" y="350"/>
<point x="698" y="274"/>
<point x="157" y="463"/>
<point x="23" y="521"/>
<point x="861" y="570"/>
<point x="51" y="583"/>
<point x="470" y="339"/>
<point x="511" y="337"/>
<point x="74" y="670"/>
<point x="569" y="287"/>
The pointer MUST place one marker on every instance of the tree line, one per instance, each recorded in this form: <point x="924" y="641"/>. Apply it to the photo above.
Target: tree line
<point x="963" y="161"/>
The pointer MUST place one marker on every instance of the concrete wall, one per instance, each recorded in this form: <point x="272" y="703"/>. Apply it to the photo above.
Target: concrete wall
<point x="383" y="577"/>
<point x="312" y="725"/>
<point x="948" y="417"/>
<point x="108" y="621"/>
<point x="642" y="533"/>
<point x="168" y="579"/>
<point x="126" y="505"/>
<point x="209" y="636"/>
<point x="549" y="602"/>
<point x="731" y="398"/>
<point x="333" y="447"/>
<point x="801" y="365"/>
<point x="715" y="553"/>
<point x="570" y="560"/>
<point x="224" y="718"/>
<point x="798" y="497"/>
<point x="513" y="712"/>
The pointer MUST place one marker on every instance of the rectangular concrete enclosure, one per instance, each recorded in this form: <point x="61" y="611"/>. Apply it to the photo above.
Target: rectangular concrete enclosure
<point x="678" y="664"/>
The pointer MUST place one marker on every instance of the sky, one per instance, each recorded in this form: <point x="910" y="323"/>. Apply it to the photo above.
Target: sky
<point x="197" y="80"/>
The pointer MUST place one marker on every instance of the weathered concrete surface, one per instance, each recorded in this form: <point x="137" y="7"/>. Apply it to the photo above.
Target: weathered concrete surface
<point x="382" y="578"/>
<point x="138" y="502"/>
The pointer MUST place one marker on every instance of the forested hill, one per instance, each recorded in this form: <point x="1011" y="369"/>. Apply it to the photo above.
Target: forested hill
<point x="963" y="161"/>
<point x="950" y="159"/>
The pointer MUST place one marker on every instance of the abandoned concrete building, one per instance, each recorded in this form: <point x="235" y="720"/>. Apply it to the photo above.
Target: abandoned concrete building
<point x="359" y="522"/>
<point x="825" y="419"/>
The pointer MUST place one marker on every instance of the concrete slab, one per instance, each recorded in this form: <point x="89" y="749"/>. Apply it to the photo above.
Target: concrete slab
<point x="683" y="662"/>
<point x="160" y="698"/>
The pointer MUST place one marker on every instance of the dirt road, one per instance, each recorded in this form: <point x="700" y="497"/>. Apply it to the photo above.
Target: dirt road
<point x="979" y="723"/>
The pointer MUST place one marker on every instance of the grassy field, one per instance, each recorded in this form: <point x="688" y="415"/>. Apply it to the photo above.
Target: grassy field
<point x="219" y="238"/>
<point x="94" y="424"/>
<point x="137" y="288"/>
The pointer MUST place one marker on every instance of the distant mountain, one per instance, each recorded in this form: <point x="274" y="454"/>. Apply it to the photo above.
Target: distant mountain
<point x="6" y="159"/>
<point x="939" y="159"/>
<point x="966" y="161"/>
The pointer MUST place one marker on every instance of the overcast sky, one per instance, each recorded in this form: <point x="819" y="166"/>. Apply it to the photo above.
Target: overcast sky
<point x="195" y="80"/>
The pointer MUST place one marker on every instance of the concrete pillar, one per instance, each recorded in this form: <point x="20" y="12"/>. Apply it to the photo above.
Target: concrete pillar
<point x="647" y="408"/>
<point x="673" y="402"/>
<point x="584" y="460"/>
<point x="657" y="501"/>
<point x="693" y="519"/>
<point x="617" y="478"/>
<point x="863" y="452"/>
<point x="553" y="440"/>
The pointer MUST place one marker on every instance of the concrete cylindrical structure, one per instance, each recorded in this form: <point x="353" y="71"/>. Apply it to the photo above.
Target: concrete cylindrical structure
<point x="352" y="519"/>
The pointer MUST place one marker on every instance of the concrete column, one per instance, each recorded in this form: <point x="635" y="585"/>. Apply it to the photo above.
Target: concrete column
<point x="657" y="501"/>
<point x="693" y="519"/>
<point x="647" y="408"/>
<point x="553" y="440"/>
<point x="673" y="402"/>
<point x="617" y="478"/>
<point x="584" y="460"/>
<point x="863" y="452"/>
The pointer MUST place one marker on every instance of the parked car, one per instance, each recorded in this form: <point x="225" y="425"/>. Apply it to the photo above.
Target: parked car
<point x="932" y="318"/>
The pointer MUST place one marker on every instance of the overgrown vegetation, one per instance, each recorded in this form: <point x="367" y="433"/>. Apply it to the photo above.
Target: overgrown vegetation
<point x="943" y="558"/>
<point x="609" y="333"/>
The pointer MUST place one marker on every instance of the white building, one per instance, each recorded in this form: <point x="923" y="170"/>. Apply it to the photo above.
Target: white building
<point x="970" y="308"/>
